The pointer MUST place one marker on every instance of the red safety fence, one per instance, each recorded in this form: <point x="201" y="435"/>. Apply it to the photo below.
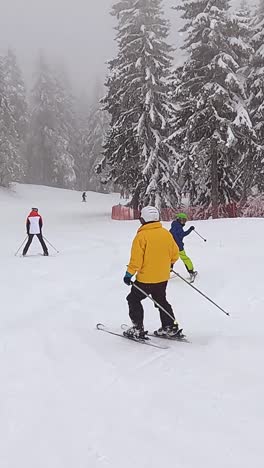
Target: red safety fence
<point x="121" y="212"/>
<point x="252" y="208"/>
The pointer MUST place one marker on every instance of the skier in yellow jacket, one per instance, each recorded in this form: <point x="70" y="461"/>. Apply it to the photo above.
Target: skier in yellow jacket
<point x="153" y="251"/>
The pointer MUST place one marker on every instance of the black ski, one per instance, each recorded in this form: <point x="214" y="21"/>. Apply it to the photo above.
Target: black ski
<point x="35" y="255"/>
<point x="148" y="342"/>
<point x="183" y="339"/>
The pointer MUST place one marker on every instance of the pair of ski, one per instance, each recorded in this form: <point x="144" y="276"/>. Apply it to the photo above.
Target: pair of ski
<point x="35" y="255"/>
<point x="146" y="341"/>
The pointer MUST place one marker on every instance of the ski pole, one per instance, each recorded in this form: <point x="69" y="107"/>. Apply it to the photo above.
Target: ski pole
<point x="200" y="235"/>
<point x="21" y="246"/>
<point x="153" y="300"/>
<point x="51" y="244"/>
<point x="200" y="292"/>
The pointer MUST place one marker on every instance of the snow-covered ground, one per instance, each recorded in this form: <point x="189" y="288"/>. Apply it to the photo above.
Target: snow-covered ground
<point x="74" y="397"/>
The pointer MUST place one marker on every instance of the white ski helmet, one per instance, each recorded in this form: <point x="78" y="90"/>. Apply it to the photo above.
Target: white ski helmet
<point x="150" y="213"/>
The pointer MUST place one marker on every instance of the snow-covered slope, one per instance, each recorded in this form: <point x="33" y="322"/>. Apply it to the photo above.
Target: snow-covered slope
<point x="73" y="397"/>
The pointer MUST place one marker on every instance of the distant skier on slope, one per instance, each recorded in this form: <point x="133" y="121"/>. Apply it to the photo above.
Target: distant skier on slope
<point x="34" y="225"/>
<point x="178" y="234"/>
<point x="84" y="197"/>
<point x="153" y="251"/>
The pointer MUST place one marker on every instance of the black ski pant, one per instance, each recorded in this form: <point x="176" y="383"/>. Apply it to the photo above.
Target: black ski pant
<point x="158" y="293"/>
<point x="30" y="239"/>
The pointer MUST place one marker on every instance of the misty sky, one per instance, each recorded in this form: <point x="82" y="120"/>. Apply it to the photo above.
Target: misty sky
<point x="77" y="32"/>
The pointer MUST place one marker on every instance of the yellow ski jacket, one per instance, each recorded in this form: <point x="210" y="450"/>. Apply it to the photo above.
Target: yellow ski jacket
<point x="152" y="253"/>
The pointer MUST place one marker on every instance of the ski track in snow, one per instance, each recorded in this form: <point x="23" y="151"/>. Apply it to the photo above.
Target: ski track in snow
<point x="71" y="396"/>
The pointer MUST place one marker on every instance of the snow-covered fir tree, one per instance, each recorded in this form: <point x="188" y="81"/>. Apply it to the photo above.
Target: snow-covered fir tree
<point x="137" y="153"/>
<point x="256" y="98"/>
<point x="241" y="20"/>
<point x="16" y="92"/>
<point x="247" y="147"/>
<point x="93" y="128"/>
<point x="67" y="115"/>
<point x="81" y="156"/>
<point x="178" y="136"/>
<point x="50" y="157"/>
<point x="213" y="124"/>
<point x="11" y="163"/>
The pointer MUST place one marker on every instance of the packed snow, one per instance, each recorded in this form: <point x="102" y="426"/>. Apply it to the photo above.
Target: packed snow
<point x="75" y="397"/>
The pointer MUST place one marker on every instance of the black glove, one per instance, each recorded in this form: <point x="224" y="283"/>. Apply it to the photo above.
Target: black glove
<point x="192" y="228"/>
<point x="127" y="278"/>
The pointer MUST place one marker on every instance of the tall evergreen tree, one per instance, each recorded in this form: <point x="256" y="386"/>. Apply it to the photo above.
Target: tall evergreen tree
<point x="241" y="33"/>
<point x="67" y="115"/>
<point x="11" y="164"/>
<point x="94" y="126"/>
<point x="136" y="151"/>
<point x="213" y="123"/>
<point x="51" y="161"/>
<point x="16" y="93"/>
<point x="256" y="97"/>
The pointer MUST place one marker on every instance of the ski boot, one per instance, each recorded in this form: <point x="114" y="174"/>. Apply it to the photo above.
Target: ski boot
<point x="193" y="275"/>
<point x="136" y="332"/>
<point x="170" y="331"/>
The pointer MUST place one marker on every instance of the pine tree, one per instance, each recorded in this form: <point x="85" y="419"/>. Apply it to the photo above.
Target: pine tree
<point x="11" y="164"/>
<point x="177" y="138"/>
<point x="256" y="98"/>
<point x="241" y="34"/>
<point x="16" y="93"/>
<point x="213" y="125"/>
<point x="94" y="126"/>
<point x="51" y="161"/>
<point x="137" y="153"/>
<point x="67" y="116"/>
